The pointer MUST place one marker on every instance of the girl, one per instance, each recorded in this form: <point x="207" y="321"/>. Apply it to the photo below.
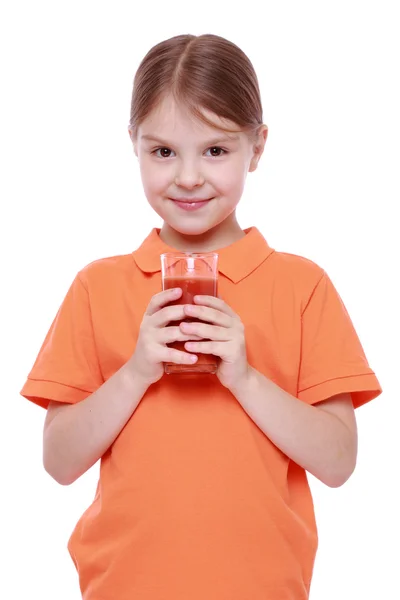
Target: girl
<point x="203" y="492"/>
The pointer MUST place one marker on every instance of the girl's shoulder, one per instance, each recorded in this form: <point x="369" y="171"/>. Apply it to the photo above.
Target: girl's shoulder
<point x="297" y="268"/>
<point x="106" y="268"/>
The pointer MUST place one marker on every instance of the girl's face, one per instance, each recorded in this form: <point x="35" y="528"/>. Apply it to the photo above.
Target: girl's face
<point x="183" y="159"/>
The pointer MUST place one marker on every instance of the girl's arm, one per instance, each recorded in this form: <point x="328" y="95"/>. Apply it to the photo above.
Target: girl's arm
<point x="322" y="439"/>
<point x="76" y="435"/>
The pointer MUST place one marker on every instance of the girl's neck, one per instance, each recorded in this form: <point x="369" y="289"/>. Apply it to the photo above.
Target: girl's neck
<point x="224" y="234"/>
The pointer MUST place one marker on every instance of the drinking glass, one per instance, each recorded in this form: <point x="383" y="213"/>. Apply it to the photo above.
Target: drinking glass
<point x="195" y="274"/>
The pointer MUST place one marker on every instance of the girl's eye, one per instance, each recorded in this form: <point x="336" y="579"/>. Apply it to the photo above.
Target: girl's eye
<point x="165" y="151"/>
<point x="217" y="148"/>
<point x="162" y="155"/>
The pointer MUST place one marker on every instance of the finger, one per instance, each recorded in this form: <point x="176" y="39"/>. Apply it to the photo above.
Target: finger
<point x="167" y="335"/>
<point x="211" y="315"/>
<point x="165" y="315"/>
<point x="170" y="355"/>
<point x="207" y="332"/>
<point x="216" y="303"/>
<point x="216" y="348"/>
<point x="161" y="299"/>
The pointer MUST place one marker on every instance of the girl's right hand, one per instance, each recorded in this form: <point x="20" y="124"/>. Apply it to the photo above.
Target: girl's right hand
<point x="151" y="348"/>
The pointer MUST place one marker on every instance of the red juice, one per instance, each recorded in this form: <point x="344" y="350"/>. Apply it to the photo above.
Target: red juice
<point x="193" y="286"/>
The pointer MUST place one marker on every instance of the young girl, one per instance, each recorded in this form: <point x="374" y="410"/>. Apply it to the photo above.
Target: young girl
<point x="203" y="492"/>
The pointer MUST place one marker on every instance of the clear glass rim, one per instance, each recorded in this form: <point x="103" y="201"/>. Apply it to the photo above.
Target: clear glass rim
<point x="189" y="254"/>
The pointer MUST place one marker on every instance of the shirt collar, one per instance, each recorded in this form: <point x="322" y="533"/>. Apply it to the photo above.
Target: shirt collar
<point x="236" y="261"/>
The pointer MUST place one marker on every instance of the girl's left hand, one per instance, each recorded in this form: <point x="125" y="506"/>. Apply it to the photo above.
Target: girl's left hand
<point x="226" y="333"/>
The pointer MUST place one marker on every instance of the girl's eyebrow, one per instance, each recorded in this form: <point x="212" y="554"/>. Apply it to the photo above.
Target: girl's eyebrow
<point x="212" y="142"/>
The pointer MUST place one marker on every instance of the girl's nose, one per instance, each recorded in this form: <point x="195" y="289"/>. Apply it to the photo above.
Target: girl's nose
<point x="189" y="176"/>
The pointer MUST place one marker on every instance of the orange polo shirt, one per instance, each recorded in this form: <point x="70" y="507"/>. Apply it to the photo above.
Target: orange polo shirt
<point x="194" y="501"/>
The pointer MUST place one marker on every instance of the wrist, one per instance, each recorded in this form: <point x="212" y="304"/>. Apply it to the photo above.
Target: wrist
<point x="132" y="379"/>
<point x="242" y="385"/>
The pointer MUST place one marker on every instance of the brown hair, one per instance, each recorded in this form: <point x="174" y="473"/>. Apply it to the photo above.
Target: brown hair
<point x="200" y="72"/>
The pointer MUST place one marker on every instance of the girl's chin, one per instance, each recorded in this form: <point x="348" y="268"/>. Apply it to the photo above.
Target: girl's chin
<point x="193" y="230"/>
<point x="192" y="223"/>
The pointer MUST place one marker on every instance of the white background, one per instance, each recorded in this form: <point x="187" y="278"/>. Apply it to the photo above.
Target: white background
<point x="327" y="188"/>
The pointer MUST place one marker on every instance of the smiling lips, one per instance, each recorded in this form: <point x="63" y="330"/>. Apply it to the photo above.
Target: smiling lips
<point x="191" y="204"/>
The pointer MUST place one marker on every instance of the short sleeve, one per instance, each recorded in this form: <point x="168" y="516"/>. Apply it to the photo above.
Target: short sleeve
<point x="66" y="368"/>
<point x="332" y="358"/>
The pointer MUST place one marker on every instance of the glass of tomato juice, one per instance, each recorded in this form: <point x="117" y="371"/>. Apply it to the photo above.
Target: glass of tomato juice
<point x="195" y="274"/>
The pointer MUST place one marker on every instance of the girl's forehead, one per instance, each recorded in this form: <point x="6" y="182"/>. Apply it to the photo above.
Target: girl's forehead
<point x="171" y="116"/>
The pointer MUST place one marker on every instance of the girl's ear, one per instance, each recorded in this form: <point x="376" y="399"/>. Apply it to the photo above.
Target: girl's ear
<point x="258" y="147"/>
<point x="132" y="140"/>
